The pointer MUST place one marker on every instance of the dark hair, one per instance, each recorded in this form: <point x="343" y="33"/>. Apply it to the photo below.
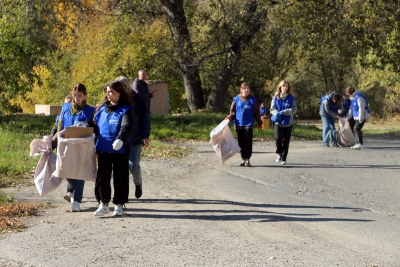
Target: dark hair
<point x="80" y="88"/>
<point x="120" y="88"/>
<point x="337" y="97"/>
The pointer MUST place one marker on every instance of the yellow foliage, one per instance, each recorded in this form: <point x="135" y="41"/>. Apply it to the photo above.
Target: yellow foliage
<point x="40" y="94"/>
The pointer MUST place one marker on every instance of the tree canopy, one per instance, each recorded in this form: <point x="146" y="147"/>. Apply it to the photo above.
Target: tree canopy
<point x="203" y="49"/>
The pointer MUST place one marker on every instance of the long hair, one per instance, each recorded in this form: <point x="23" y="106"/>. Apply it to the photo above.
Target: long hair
<point x="120" y="88"/>
<point x="278" y="91"/>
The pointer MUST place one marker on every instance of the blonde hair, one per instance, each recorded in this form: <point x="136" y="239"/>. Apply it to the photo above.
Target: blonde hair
<point x="125" y="83"/>
<point x="279" y="90"/>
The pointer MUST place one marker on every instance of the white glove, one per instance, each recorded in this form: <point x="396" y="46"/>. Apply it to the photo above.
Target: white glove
<point x="117" y="144"/>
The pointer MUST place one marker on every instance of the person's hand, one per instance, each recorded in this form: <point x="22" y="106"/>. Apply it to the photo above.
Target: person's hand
<point x="260" y="127"/>
<point x="146" y="141"/>
<point x="117" y="144"/>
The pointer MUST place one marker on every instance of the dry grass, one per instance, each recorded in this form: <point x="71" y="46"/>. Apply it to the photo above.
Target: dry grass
<point x="13" y="214"/>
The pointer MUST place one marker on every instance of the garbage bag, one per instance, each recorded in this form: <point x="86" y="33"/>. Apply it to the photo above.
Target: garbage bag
<point x="45" y="182"/>
<point x="223" y="141"/>
<point x="76" y="158"/>
<point x="345" y="136"/>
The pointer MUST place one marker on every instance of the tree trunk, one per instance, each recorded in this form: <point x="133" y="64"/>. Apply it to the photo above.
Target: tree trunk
<point x="187" y="60"/>
<point x="216" y="99"/>
<point x="253" y="21"/>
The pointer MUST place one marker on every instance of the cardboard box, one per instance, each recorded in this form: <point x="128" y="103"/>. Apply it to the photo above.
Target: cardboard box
<point x="78" y="132"/>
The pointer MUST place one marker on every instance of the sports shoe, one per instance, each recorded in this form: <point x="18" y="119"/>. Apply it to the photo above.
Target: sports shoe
<point x="68" y="196"/>
<point x="102" y="210"/>
<point x="278" y="159"/>
<point x="243" y="163"/>
<point x="335" y="145"/>
<point x="357" y="146"/>
<point x="247" y="163"/>
<point x="138" y="191"/>
<point x="325" y="145"/>
<point x="283" y="162"/>
<point x="118" y="210"/>
<point x="76" y="206"/>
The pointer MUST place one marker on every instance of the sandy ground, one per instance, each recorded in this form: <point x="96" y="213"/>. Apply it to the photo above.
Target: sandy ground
<point x="327" y="207"/>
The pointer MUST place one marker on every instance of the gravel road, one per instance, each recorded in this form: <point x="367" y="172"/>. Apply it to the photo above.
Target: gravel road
<point x="327" y="207"/>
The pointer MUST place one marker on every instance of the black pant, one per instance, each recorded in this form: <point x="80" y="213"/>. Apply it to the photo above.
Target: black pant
<point x="352" y="123"/>
<point x="245" y="141"/>
<point x="358" y="133"/>
<point x="118" y="165"/>
<point x="282" y="136"/>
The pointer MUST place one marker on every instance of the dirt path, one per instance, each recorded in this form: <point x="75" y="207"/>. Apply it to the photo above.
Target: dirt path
<point x="328" y="207"/>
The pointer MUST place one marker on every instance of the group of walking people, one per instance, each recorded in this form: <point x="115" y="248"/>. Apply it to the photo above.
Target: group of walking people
<point x="245" y="111"/>
<point x="121" y="123"/>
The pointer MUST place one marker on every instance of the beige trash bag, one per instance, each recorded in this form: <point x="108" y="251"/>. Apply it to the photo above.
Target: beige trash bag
<point x="44" y="181"/>
<point x="345" y="136"/>
<point x="76" y="158"/>
<point x="223" y="142"/>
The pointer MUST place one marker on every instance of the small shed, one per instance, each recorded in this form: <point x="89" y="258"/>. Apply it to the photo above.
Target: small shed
<point x="47" y="110"/>
<point x="159" y="103"/>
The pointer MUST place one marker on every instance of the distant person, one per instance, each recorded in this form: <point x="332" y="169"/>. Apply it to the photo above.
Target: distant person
<point x="360" y="112"/>
<point x="139" y="137"/>
<point x="140" y="87"/>
<point x="71" y="113"/>
<point x="114" y="125"/>
<point x="262" y="109"/>
<point x="283" y="107"/>
<point x="329" y="110"/>
<point x="244" y="110"/>
<point x="346" y="106"/>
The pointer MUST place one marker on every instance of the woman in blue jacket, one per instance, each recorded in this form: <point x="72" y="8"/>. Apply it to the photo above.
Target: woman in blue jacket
<point x="114" y="125"/>
<point x="244" y="110"/>
<point x="283" y="108"/>
<point x="72" y="113"/>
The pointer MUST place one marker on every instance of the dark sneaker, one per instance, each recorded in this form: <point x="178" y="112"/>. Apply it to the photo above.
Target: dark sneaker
<point x="243" y="163"/>
<point x="138" y="191"/>
<point x="335" y="145"/>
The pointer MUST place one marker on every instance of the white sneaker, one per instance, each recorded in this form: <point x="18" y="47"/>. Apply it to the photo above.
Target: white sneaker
<point x="102" y="210"/>
<point x="358" y="146"/>
<point x="283" y="162"/>
<point x="68" y="196"/>
<point x="278" y="159"/>
<point x="76" y="206"/>
<point x="118" y="210"/>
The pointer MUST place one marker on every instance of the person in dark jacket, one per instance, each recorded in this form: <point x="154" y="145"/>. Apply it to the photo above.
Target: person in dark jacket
<point x="244" y="110"/>
<point x="113" y="126"/>
<point x="139" y="86"/>
<point x="140" y="136"/>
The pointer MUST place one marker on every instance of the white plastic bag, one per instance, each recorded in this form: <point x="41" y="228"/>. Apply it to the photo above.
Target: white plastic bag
<point x="44" y="181"/>
<point x="76" y="158"/>
<point x="345" y="136"/>
<point x="223" y="142"/>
